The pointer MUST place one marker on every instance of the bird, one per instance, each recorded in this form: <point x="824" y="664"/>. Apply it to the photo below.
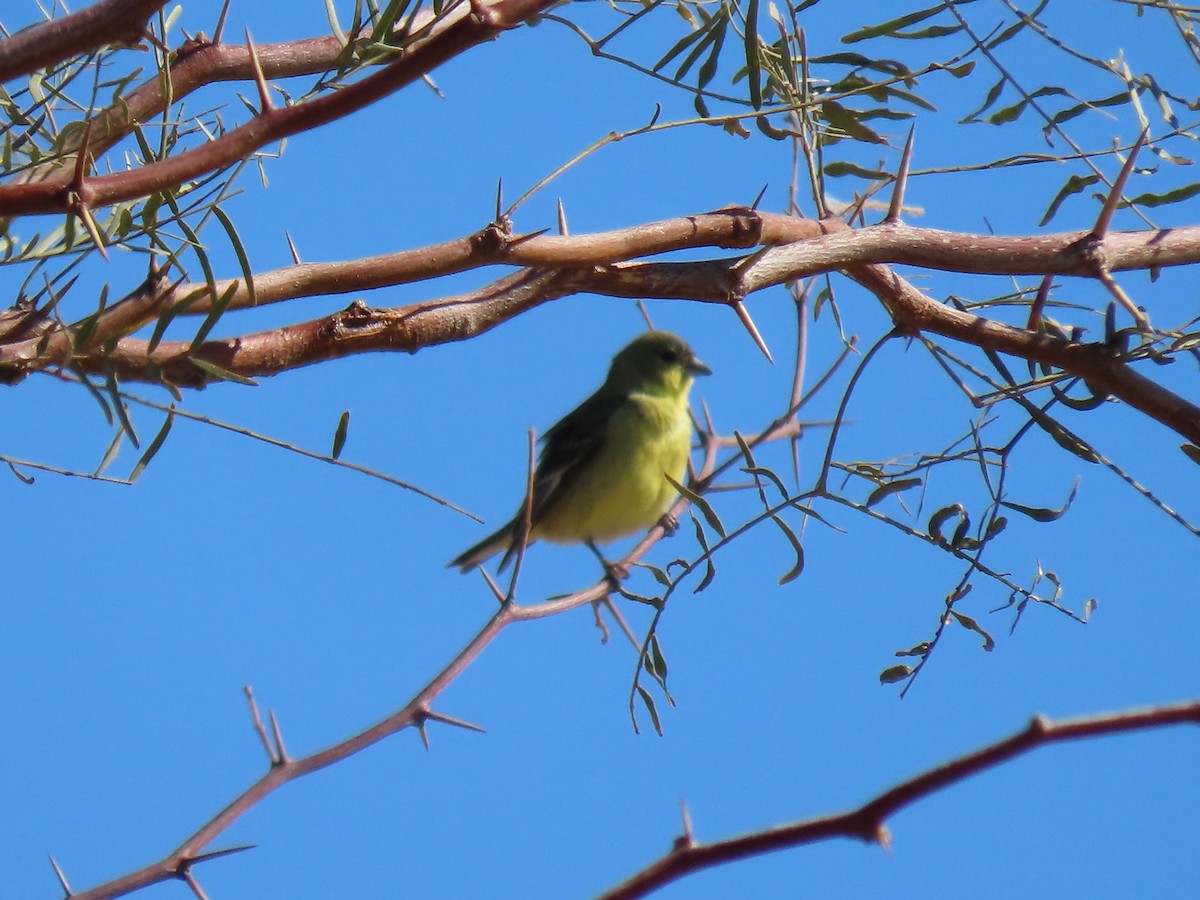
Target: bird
<point x="602" y="471"/>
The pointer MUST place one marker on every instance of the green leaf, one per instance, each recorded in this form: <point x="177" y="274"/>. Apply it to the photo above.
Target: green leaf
<point x="240" y="250"/>
<point x="1063" y="436"/>
<point x="220" y="304"/>
<point x="1187" y="192"/>
<point x="892" y="674"/>
<point x="339" y="436"/>
<point x="970" y="624"/>
<point x="659" y="575"/>
<point x="154" y="445"/>
<point x="223" y="374"/>
<point x="701" y="504"/>
<point x="842" y="169"/>
<point x="890" y="27"/>
<point x="939" y="518"/>
<point x="114" y="393"/>
<point x="920" y="649"/>
<point x="111" y="453"/>
<point x="660" y="661"/>
<point x="753" y="63"/>
<point x="1072" y="186"/>
<point x="1041" y="513"/>
<point x="710" y="570"/>
<point x="650" y="708"/>
<point x="794" y="572"/>
<point x="892" y="487"/>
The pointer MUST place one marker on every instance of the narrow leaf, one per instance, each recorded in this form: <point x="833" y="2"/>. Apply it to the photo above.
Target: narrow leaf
<point x="154" y="445"/>
<point x="339" y="436"/>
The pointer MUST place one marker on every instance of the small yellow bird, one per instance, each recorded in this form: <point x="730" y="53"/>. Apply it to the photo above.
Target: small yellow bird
<point x="602" y="470"/>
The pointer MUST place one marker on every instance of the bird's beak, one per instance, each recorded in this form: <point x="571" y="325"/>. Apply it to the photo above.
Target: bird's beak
<point x="695" y="367"/>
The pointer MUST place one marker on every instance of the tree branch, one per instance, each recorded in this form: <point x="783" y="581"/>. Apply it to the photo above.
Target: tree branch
<point x="106" y="22"/>
<point x="868" y="822"/>
<point x="466" y="25"/>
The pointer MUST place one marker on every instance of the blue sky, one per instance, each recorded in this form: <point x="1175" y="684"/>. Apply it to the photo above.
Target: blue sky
<point x="136" y="614"/>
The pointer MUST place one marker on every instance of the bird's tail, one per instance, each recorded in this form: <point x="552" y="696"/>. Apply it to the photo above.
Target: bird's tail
<point x="488" y="547"/>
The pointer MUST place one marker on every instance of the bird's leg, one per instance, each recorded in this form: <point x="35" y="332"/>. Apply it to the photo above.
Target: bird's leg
<point x="669" y="523"/>
<point x="616" y="572"/>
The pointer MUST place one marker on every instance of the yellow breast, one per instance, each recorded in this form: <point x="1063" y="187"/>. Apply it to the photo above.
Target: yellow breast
<point x="625" y="488"/>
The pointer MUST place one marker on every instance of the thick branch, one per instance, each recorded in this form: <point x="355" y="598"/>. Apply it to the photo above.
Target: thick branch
<point x="198" y="63"/>
<point x="467" y="25"/>
<point x="868" y="822"/>
<point x="106" y="22"/>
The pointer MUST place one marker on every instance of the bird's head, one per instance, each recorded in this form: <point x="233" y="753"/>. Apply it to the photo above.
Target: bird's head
<point x="656" y="362"/>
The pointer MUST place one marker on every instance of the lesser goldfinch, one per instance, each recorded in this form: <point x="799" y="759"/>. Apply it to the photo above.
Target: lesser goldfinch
<point x="602" y="470"/>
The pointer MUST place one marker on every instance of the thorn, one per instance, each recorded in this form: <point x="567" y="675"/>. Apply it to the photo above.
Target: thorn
<point x="85" y="216"/>
<point x="641" y="305"/>
<point x="883" y="837"/>
<point x="744" y="314"/>
<point x="513" y="242"/>
<point x="217" y="854"/>
<point x="280" y="750"/>
<point x="758" y="199"/>
<point x="292" y="248"/>
<point x="709" y="428"/>
<point x="686" y="815"/>
<point x="1113" y="200"/>
<point x="451" y="720"/>
<point x="420" y="723"/>
<point x="219" y="30"/>
<point x="1139" y="316"/>
<point x="81" y="158"/>
<point x="190" y="880"/>
<point x="499" y="201"/>
<point x="258" y="725"/>
<point x="264" y="94"/>
<point x="562" y="218"/>
<point x="901" y="185"/>
<point x="62" y="879"/>
<point x="1039" y="304"/>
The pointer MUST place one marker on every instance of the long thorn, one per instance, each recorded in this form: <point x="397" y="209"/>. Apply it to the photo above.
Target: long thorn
<point x="1113" y="200"/>
<point x="264" y="94"/>
<point x="258" y="725"/>
<point x="451" y="720"/>
<point x="62" y="879"/>
<point x="901" y="185"/>
<point x="1039" y="303"/>
<point x="744" y="314"/>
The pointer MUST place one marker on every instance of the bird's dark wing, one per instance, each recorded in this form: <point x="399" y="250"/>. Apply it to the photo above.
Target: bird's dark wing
<point x="569" y="446"/>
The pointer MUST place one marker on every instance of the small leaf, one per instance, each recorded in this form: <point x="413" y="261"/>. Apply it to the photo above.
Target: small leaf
<point x="892" y="674"/>
<point x="892" y="487"/>
<point x="659" y="575"/>
<point x="339" y="436"/>
<point x="710" y="570"/>
<point x="650" y="708"/>
<point x="1191" y="451"/>
<point x="939" y="518"/>
<point x="701" y="504"/>
<point x="660" y="661"/>
<point x="111" y="453"/>
<point x="794" y="572"/>
<point x="223" y="374"/>
<point x="1041" y="513"/>
<point x="919" y="650"/>
<point x="154" y="445"/>
<point x="970" y="624"/>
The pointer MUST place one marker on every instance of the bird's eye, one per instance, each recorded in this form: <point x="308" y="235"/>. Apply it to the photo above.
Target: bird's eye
<point x="667" y="355"/>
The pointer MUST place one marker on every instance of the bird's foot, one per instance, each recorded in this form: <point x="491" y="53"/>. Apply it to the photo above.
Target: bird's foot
<point x="616" y="572"/>
<point x="669" y="523"/>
